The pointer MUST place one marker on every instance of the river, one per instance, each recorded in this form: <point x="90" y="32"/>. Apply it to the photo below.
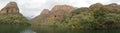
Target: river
<point x="47" y="29"/>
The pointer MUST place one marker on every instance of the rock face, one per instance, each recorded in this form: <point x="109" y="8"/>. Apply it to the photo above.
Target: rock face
<point x="97" y="5"/>
<point x="62" y="8"/>
<point x="10" y="8"/>
<point x="112" y="7"/>
<point x="57" y="14"/>
<point x="10" y="15"/>
<point x="45" y="11"/>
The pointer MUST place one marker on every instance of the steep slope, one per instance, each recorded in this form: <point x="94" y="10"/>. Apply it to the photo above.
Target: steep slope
<point x="41" y="18"/>
<point x="10" y="15"/>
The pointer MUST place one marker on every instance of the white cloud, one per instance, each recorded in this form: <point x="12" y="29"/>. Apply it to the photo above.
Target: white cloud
<point x="33" y="7"/>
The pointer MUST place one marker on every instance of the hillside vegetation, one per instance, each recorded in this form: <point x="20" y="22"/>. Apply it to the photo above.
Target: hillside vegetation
<point x="97" y="16"/>
<point x="10" y="15"/>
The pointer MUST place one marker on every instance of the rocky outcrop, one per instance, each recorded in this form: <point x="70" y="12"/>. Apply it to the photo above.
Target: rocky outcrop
<point x="97" y="5"/>
<point x="45" y="11"/>
<point x="10" y="8"/>
<point x="62" y="8"/>
<point x="112" y="7"/>
<point x="57" y="14"/>
<point x="10" y="15"/>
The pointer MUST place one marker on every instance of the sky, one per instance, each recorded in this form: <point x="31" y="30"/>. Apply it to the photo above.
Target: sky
<point x="32" y="8"/>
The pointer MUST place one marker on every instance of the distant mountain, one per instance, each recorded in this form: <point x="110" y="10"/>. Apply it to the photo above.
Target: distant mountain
<point x="10" y="15"/>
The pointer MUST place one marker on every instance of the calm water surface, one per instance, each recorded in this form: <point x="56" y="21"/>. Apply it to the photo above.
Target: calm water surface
<point x="47" y="29"/>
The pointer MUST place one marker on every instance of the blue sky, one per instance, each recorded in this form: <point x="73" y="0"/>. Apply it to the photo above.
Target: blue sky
<point x="32" y="8"/>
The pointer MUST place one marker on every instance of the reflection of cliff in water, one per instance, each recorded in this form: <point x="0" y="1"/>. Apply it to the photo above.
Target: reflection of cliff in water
<point x="53" y="29"/>
<point x="28" y="30"/>
<point x="11" y="28"/>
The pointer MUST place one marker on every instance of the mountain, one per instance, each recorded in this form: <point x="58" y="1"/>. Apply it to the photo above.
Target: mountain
<point x="10" y="8"/>
<point x="97" y="16"/>
<point x="57" y="14"/>
<point x="10" y="15"/>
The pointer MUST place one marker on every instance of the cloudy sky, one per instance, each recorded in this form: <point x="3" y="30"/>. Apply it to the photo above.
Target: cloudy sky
<point x="32" y="8"/>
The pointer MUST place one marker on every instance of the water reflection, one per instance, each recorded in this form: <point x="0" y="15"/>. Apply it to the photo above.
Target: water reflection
<point x="48" y="29"/>
<point x="28" y="30"/>
<point x="11" y="28"/>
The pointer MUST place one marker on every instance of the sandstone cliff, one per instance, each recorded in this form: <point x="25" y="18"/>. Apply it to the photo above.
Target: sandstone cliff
<point x="62" y="8"/>
<point x="10" y="15"/>
<point x="57" y="14"/>
<point x="10" y="8"/>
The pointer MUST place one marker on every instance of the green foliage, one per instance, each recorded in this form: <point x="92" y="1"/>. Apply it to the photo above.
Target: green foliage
<point x="13" y="19"/>
<point x="96" y="17"/>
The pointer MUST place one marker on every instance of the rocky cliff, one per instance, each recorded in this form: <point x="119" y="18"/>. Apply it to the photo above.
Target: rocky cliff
<point x="62" y="8"/>
<point x="45" y="11"/>
<point x="57" y="14"/>
<point x="10" y="15"/>
<point x="10" y="8"/>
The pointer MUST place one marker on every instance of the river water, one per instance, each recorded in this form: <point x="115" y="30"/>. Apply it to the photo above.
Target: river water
<point x="47" y="29"/>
